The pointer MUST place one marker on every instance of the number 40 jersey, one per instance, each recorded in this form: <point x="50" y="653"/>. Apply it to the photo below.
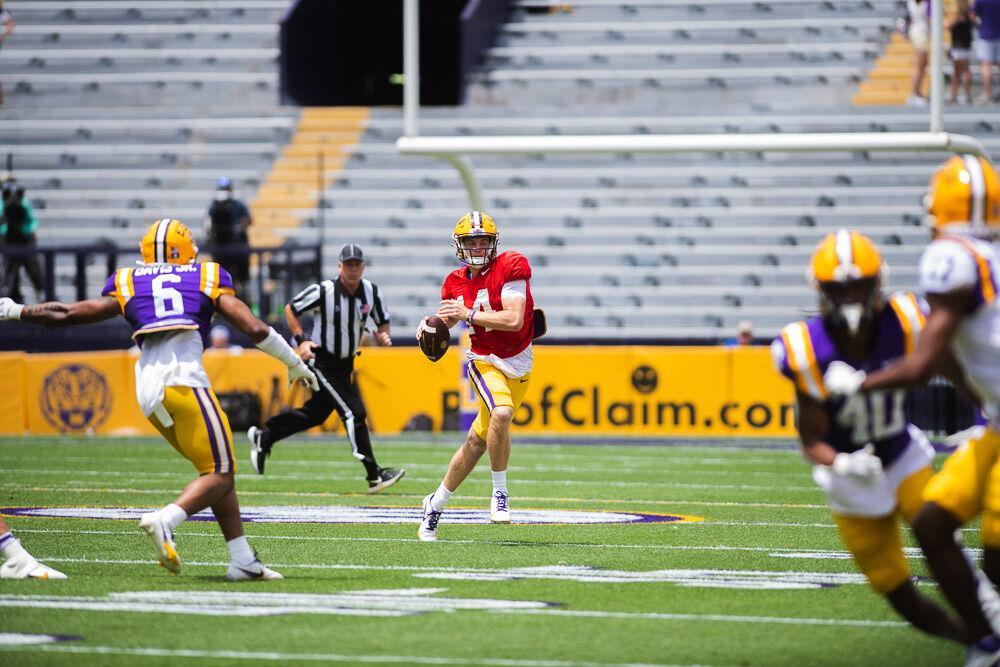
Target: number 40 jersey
<point x="166" y="297"/>
<point x="803" y="352"/>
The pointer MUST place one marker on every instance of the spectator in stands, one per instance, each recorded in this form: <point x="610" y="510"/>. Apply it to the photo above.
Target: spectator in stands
<point x="744" y="335"/>
<point x="17" y="228"/>
<point x="221" y="340"/>
<point x="987" y="14"/>
<point x="226" y="224"/>
<point x="6" y="27"/>
<point x="919" y="34"/>
<point x="960" y="26"/>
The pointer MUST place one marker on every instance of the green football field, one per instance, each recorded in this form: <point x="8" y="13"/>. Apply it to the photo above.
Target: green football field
<point x="691" y="555"/>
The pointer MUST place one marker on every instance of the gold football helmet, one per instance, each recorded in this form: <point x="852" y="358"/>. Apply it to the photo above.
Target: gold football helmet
<point x="846" y="270"/>
<point x="168" y="241"/>
<point x="475" y="224"/>
<point x="964" y="197"/>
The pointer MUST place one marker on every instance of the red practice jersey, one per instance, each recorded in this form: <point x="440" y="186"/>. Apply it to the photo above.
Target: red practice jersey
<point x="482" y="293"/>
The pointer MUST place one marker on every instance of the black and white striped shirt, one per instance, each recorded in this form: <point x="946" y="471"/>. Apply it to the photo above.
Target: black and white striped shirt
<point x="342" y="317"/>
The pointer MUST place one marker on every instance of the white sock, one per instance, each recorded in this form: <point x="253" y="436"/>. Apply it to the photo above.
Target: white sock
<point x="440" y="497"/>
<point x="10" y="545"/>
<point x="240" y="550"/>
<point x="173" y="516"/>
<point x="499" y="481"/>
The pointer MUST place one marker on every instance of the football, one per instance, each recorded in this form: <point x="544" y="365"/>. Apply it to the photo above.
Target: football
<point x="434" y="337"/>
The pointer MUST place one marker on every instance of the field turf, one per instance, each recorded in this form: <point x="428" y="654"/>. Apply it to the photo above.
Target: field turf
<point x="707" y="592"/>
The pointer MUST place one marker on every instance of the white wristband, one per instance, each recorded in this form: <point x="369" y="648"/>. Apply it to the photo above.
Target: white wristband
<point x="276" y="346"/>
<point x="15" y="311"/>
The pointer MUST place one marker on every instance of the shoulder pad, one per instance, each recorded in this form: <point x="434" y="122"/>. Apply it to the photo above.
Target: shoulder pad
<point x="801" y="362"/>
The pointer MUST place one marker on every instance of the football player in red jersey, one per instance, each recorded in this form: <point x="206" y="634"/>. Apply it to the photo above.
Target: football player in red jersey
<point x="492" y="295"/>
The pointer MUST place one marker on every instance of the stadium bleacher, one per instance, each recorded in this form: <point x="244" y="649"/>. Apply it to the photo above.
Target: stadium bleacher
<point x="118" y="113"/>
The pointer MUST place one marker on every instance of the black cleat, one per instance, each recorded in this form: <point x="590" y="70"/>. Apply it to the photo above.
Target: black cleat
<point x="386" y="478"/>
<point x="259" y="451"/>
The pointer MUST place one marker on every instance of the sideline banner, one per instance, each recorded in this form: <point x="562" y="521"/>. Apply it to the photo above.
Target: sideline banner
<point x="625" y="391"/>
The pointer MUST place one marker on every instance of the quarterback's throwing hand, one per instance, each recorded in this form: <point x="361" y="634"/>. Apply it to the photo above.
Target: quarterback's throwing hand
<point x="452" y="310"/>
<point x="301" y="373"/>
<point x="863" y="465"/>
<point x="842" y="379"/>
<point x="10" y="309"/>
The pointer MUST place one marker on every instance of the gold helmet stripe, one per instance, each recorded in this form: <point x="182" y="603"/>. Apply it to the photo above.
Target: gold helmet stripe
<point x="160" y="247"/>
<point x="977" y="188"/>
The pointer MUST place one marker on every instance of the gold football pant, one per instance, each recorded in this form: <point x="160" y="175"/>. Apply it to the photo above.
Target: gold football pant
<point x="969" y="483"/>
<point x="494" y="388"/>
<point x="200" y="431"/>
<point x="876" y="544"/>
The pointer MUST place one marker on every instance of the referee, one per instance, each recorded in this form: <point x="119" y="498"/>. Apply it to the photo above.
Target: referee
<point x="345" y="306"/>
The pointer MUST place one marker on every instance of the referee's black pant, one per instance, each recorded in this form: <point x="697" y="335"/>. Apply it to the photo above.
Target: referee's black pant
<point x="336" y="392"/>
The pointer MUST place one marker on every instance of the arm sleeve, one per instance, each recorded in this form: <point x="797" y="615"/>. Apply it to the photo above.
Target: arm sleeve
<point x="380" y="312"/>
<point x="945" y="267"/>
<point x="307" y="299"/>
<point x="515" y="287"/>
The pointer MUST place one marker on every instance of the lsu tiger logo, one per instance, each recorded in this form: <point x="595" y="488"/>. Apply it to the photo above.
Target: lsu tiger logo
<point x="75" y="398"/>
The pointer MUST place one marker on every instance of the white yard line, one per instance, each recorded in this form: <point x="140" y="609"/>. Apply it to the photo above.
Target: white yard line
<point x="272" y="656"/>
<point x="634" y="502"/>
<point x="720" y="618"/>
<point x="912" y="552"/>
<point x="600" y="464"/>
<point x="247" y="478"/>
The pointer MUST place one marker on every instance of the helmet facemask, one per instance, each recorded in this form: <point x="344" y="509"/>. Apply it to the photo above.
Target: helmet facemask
<point x="849" y="305"/>
<point x="479" y="256"/>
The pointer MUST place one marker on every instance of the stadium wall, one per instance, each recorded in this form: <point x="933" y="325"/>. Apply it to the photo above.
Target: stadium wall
<point x="621" y="391"/>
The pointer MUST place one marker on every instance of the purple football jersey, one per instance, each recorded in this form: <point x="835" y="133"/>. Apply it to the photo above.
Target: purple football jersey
<point x="803" y="352"/>
<point x="164" y="297"/>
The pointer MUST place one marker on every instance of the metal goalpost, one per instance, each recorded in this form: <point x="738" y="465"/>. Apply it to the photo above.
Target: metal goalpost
<point x="457" y="150"/>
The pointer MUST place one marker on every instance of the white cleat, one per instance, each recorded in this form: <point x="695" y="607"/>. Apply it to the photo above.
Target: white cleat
<point x="24" y="566"/>
<point x="500" y="507"/>
<point x="977" y="657"/>
<point x="429" y="523"/>
<point x="989" y="600"/>
<point x="163" y="540"/>
<point x="255" y="571"/>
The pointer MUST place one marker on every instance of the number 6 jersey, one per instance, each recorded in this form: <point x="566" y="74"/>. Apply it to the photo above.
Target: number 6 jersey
<point x="170" y="308"/>
<point x="803" y="352"/>
<point x="164" y="297"/>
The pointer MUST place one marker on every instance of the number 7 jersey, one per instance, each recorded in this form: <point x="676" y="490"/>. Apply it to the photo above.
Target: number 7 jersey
<point x="804" y="350"/>
<point x="167" y="297"/>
